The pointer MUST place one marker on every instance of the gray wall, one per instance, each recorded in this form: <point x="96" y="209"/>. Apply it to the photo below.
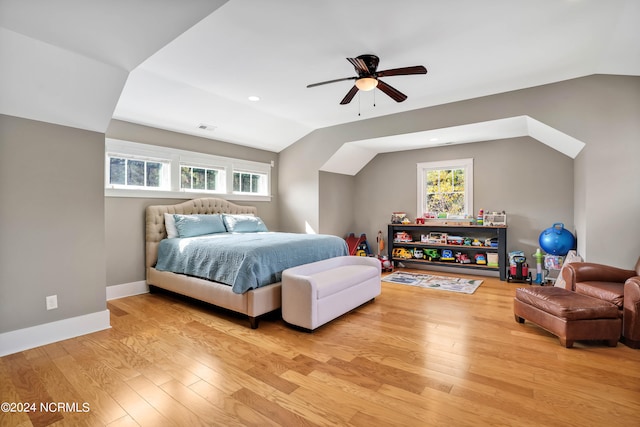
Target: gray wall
<point x="124" y="216"/>
<point x="600" y="110"/>
<point x="507" y="177"/>
<point x="607" y="196"/>
<point x="51" y="222"/>
<point x="340" y="209"/>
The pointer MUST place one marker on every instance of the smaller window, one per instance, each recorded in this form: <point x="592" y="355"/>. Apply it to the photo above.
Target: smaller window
<point x="201" y="178"/>
<point x="249" y="183"/>
<point x="445" y="187"/>
<point x="128" y="172"/>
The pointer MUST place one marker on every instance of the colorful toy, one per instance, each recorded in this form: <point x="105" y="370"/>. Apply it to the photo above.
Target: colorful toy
<point x="385" y="263"/>
<point x="480" y="259"/>
<point x="363" y="249"/>
<point x="437" y="238"/>
<point x="492" y="242"/>
<point x="356" y="244"/>
<point x="556" y="240"/>
<point x="538" y="257"/>
<point x="380" y="241"/>
<point x="431" y="254"/>
<point x="462" y="258"/>
<point x="454" y="240"/>
<point x="402" y="253"/>
<point x="447" y="255"/>
<point x="403" y="236"/>
<point x="495" y="218"/>
<point x="398" y="217"/>
<point x="519" y="272"/>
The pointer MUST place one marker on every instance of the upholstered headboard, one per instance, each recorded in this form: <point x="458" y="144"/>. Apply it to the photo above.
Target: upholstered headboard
<point x="155" y="230"/>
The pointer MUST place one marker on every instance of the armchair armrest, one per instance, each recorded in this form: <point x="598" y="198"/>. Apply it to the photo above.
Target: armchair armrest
<point x="631" y="314"/>
<point x="576" y="272"/>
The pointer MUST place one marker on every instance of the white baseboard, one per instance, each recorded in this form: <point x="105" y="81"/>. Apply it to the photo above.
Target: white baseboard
<point x="35" y="336"/>
<point x="127" y="290"/>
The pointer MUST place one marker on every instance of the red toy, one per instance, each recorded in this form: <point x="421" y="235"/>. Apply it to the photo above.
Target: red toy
<point x="358" y="245"/>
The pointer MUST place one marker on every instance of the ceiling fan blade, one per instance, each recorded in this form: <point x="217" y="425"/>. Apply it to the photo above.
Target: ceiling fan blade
<point x="359" y="65"/>
<point x="349" y="96"/>
<point x="394" y="93"/>
<point x="403" y="71"/>
<point x="331" y="81"/>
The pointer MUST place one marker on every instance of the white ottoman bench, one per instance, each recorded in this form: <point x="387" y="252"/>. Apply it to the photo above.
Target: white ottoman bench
<point x="313" y="294"/>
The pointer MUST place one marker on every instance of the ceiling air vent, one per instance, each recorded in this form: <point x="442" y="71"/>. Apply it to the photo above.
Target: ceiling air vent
<point x="209" y="128"/>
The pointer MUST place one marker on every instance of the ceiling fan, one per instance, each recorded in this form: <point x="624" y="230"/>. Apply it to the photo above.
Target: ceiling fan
<point x="367" y="79"/>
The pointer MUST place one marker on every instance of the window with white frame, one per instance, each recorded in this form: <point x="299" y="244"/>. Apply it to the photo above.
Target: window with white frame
<point x="249" y="182"/>
<point x="126" y="171"/>
<point x="142" y="170"/>
<point x="446" y="187"/>
<point x="200" y="178"/>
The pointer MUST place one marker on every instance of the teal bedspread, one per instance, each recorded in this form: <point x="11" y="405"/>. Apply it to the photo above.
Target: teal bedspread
<point x="245" y="260"/>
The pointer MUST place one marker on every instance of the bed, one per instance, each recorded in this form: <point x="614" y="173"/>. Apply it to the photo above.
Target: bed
<point x="255" y="288"/>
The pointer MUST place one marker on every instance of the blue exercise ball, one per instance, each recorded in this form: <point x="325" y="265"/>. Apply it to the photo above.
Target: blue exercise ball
<point x="556" y="240"/>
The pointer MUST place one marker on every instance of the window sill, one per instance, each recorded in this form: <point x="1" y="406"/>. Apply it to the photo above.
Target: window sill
<point x="153" y="194"/>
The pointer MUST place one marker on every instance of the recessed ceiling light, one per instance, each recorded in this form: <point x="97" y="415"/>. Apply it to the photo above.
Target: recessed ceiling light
<point x="254" y="98"/>
<point x="434" y="139"/>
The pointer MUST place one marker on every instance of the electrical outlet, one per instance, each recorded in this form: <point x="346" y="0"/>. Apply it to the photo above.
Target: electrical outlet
<point x="52" y="302"/>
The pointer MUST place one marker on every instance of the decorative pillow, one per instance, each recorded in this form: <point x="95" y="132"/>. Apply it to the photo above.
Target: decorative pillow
<point x="170" y="226"/>
<point x="198" y="225"/>
<point x="244" y="223"/>
<point x="572" y="256"/>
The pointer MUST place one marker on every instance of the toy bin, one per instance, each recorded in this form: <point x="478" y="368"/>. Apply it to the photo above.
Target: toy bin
<point x="492" y="259"/>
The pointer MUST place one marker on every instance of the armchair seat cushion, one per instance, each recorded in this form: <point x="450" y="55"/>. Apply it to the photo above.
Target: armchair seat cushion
<point x="566" y="304"/>
<point x="606" y="291"/>
<point x="568" y="315"/>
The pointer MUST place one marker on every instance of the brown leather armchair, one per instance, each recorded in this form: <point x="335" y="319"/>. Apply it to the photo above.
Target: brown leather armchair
<point x="615" y="285"/>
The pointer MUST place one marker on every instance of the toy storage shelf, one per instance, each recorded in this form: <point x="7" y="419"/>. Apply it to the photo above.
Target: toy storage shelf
<point x="480" y="232"/>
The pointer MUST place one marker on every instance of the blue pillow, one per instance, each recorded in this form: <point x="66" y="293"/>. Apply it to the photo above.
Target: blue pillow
<point x="244" y="223"/>
<point x="198" y="225"/>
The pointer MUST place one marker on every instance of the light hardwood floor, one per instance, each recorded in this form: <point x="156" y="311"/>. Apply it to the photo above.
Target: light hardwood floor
<point x="413" y="357"/>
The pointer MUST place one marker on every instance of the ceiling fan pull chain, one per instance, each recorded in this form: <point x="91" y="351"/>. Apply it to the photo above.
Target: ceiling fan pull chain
<point x="358" y="104"/>
<point x="374" y="98"/>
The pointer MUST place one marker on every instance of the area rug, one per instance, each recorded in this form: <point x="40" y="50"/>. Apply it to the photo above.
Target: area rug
<point x="452" y="284"/>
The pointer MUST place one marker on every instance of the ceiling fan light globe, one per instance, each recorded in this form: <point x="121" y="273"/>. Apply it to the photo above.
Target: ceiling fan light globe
<point x="366" y="83"/>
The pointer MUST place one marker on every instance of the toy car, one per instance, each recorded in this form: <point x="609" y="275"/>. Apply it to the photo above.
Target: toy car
<point x="385" y="263"/>
<point x="454" y="240"/>
<point x="492" y="242"/>
<point x="431" y="254"/>
<point x="437" y="238"/>
<point x="480" y="259"/>
<point x="447" y="255"/>
<point x="403" y="236"/>
<point x="462" y="258"/>
<point x="418" y="253"/>
<point x="402" y="253"/>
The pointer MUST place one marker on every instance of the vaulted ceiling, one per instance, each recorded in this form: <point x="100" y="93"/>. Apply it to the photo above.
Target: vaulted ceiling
<point x="180" y="65"/>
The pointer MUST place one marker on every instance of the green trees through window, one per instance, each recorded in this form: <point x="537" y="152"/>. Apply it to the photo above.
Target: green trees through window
<point x="445" y="187"/>
<point x="445" y="191"/>
<point x="131" y="172"/>
<point x="196" y="178"/>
